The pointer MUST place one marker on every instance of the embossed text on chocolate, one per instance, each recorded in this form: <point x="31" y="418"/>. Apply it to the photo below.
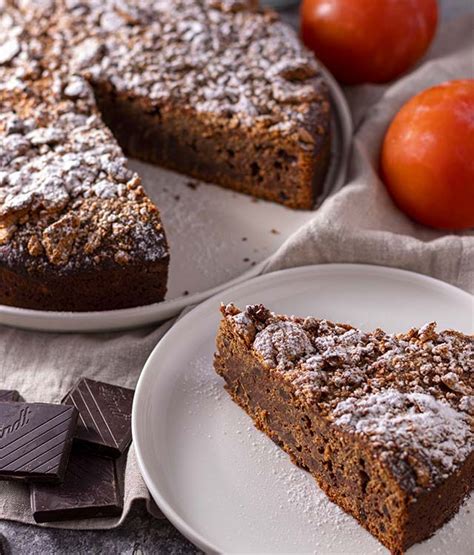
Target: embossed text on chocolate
<point x="22" y="420"/>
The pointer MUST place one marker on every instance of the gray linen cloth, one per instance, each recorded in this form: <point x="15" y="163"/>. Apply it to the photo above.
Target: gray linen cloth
<point x="359" y="224"/>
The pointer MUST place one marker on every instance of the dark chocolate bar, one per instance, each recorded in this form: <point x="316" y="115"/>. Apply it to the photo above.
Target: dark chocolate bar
<point x="90" y="489"/>
<point x="104" y="416"/>
<point x="9" y="395"/>
<point x="35" y="440"/>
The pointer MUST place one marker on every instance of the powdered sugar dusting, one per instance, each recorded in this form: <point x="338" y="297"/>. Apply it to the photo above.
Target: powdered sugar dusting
<point x="203" y="384"/>
<point x="45" y="176"/>
<point x="282" y="343"/>
<point x="410" y="394"/>
<point x="322" y="357"/>
<point x="232" y="61"/>
<point x="413" y="424"/>
<point x="223" y="58"/>
<point x="66" y="194"/>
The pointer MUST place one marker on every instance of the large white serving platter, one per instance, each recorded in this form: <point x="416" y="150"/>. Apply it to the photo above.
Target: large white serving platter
<point x="223" y="483"/>
<point x="217" y="237"/>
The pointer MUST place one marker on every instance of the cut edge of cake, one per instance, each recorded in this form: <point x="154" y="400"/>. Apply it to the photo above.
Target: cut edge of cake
<point x="387" y="436"/>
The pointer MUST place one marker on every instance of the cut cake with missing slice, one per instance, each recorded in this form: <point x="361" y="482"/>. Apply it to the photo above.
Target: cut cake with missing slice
<point x="219" y="90"/>
<point x="383" y="422"/>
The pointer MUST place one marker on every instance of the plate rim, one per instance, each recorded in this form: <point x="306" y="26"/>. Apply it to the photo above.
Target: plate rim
<point x="140" y="392"/>
<point x="131" y="318"/>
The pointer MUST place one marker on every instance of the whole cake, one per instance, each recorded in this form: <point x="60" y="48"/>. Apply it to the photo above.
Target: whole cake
<point x="217" y="89"/>
<point x="383" y="422"/>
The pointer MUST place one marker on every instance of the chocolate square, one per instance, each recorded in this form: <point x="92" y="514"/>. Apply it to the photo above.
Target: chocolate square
<point x="35" y="440"/>
<point x="90" y="490"/>
<point x="104" y="416"/>
<point x="9" y="395"/>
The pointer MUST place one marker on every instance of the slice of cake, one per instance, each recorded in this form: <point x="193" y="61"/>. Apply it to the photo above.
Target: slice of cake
<point x="383" y="422"/>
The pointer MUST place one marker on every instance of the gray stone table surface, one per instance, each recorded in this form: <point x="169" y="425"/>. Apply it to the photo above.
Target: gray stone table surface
<point x="140" y="534"/>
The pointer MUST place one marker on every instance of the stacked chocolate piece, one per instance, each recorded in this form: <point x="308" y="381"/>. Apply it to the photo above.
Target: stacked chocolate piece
<point x="72" y="454"/>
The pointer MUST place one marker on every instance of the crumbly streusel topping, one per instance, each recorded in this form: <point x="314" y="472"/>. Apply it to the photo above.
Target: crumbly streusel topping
<point x="417" y="425"/>
<point x="66" y="194"/>
<point x="222" y="57"/>
<point x="411" y="394"/>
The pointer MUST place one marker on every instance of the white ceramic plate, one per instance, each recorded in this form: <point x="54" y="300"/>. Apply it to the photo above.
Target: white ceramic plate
<point x="217" y="237"/>
<point x="223" y="483"/>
